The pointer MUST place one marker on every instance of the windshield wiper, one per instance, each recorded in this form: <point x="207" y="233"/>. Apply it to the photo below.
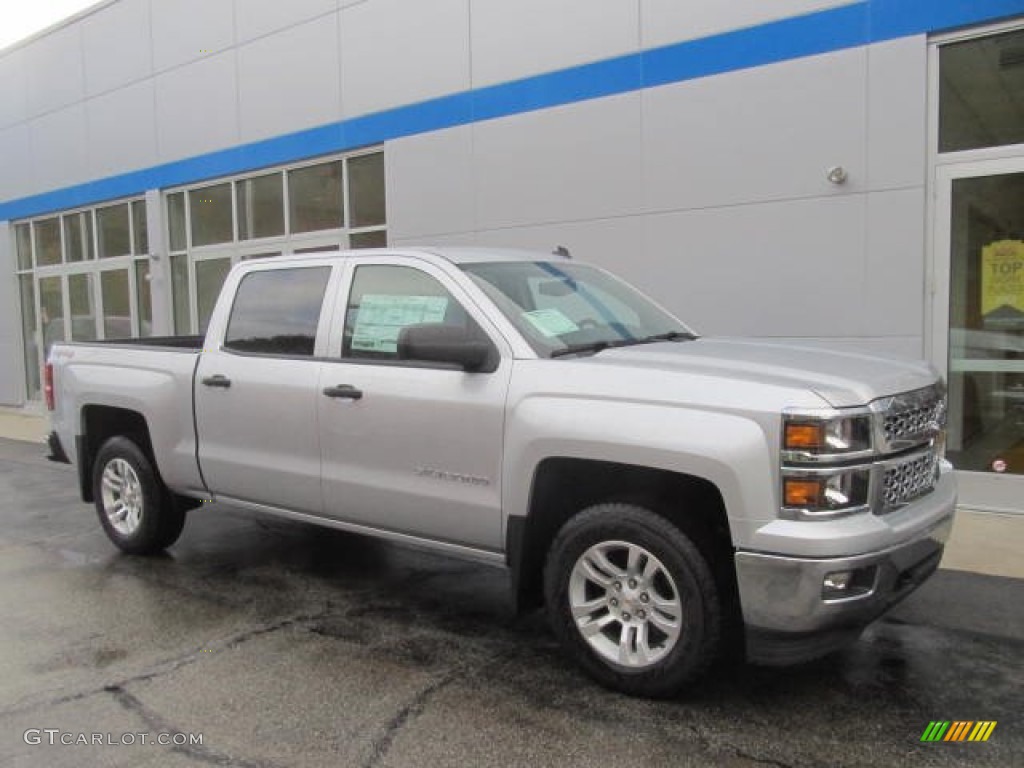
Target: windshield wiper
<point x="598" y="346"/>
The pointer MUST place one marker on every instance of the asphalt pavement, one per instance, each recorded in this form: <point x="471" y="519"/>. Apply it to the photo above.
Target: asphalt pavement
<point x="282" y="644"/>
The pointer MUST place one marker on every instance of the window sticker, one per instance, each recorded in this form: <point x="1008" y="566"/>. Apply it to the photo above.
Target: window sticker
<point x="550" y="322"/>
<point x="381" y="318"/>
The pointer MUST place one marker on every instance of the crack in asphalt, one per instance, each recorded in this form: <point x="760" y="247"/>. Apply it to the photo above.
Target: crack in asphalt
<point x="197" y="752"/>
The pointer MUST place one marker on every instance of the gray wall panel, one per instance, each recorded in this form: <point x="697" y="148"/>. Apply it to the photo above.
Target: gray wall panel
<point x="116" y="45"/>
<point x="122" y="130"/>
<point x="577" y="162"/>
<point x="514" y="40"/>
<point x="395" y="52"/>
<point x="196" y="107"/>
<point x="759" y="134"/>
<point x="53" y="68"/>
<point x="12" y="386"/>
<point x="894" y="263"/>
<point x="255" y="19"/>
<point x="276" y="98"/>
<point x="897" y="112"/>
<point x="16" y="163"/>
<point x="14" y="87"/>
<point x="59" y="145"/>
<point x="186" y="30"/>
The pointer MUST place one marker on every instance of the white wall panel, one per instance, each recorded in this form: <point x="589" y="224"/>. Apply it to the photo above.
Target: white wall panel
<point x="758" y="134"/>
<point x="15" y="163"/>
<point x="186" y="30"/>
<point x="14" y="87"/>
<point x="116" y="45"/>
<point x="254" y="19"/>
<point x="395" y="52"/>
<point x="122" y="130"/>
<point x="773" y="269"/>
<point x="275" y="98"/>
<point x="527" y="37"/>
<point x="895" y="271"/>
<point x="430" y="184"/>
<point x="582" y="161"/>
<point x="59" y="143"/>
<point x="11" y="372"/>
<point x="196" y="107"/>
<point x="897" y="125"/>
<point x="53" y="66"/>
<point x="669" y="21"/>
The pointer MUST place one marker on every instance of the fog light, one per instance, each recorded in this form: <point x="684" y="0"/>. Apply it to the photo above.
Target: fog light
<point x="838" y="581"/>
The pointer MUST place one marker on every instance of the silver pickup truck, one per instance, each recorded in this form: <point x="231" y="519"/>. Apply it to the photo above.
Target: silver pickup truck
<point x="667" y="497"/>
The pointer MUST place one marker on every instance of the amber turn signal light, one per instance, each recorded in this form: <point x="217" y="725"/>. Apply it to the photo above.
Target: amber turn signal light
<point x="803" y="492"/>
<point x="806" y="436"/>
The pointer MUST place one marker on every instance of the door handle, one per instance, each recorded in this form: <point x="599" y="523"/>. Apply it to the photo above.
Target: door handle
<point x="344" y="390"/>
<point x="219" y="380"/>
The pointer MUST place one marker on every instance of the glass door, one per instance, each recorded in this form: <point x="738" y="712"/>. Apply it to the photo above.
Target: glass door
<point x="979" y="331"/>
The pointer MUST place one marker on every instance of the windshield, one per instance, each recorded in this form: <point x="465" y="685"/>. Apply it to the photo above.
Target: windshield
<point x="564" y="308"/>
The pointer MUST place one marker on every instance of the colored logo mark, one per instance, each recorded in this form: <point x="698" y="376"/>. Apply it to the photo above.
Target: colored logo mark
<point x="958" y="730"/>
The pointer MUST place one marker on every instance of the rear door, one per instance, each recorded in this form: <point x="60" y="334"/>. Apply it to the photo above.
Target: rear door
<point x="256" y="393"/>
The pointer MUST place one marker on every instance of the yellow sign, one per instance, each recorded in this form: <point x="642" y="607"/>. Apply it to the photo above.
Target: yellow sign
<point x="1002" y="280"/>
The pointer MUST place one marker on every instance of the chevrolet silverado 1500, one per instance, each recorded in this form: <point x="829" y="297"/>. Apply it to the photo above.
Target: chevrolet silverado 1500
<point x="665" y="496"/>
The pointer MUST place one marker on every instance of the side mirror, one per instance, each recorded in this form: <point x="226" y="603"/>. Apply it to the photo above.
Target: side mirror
<point x="439" y="343"/>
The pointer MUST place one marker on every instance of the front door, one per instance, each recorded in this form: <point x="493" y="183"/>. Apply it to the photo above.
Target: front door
<point x="410" y="448"/>
<point x="980" y="229"/>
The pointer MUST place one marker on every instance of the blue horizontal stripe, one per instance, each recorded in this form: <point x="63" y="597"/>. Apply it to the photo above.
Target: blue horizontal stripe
<point x="834" y="29"/>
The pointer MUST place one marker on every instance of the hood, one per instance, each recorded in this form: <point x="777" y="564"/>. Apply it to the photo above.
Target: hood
<point x="843" y="379"/>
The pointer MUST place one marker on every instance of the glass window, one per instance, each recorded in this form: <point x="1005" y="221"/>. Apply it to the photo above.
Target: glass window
<point x="176" y="221"/>
<point x="113" y="230"/>
<point x="377" y="239"/>
<point x="78" y="236"/>
<point x="117" y="311"/>
<point x="23" y="234"/>
<point x="47" y="241"/>
<point x="559" y="307"/>
<point x="144" y="297"/>
<point x="180" y="292"/>
<point x="366" y="190"/>
<point x="210" y="208"/>
<point x="260" y="206"/>
<point x="28" y="330"/>
<point x="210" y="274"/>
<point x="51" y="311"/>
<point x="981" y="92"/>
<point x="386" y="299"/>
<point x="277" y="312"/>
<point x="83" y="309"/>
<point x="140" y="230"/>
<point x="315" y="199"/>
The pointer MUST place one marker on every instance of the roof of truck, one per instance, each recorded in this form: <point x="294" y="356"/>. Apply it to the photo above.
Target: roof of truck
<point x="453" y="254"/>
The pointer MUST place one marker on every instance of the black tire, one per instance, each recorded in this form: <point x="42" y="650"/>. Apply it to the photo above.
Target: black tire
<point x="158" y="520"/>
<point x="678" y="567"/>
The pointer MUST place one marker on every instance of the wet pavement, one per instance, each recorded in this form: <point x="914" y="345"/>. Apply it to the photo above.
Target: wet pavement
<point x="283" y="644"/>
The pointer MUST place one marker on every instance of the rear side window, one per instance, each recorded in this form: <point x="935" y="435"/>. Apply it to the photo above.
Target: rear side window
<point x="277" y="312"/>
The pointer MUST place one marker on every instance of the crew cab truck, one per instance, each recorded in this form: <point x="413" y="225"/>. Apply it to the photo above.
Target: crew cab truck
<point x="664" y="496"/>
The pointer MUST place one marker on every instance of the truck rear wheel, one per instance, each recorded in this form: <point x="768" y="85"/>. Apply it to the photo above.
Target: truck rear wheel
<point x="135" y="509"/>
<point x="632" y="599"/>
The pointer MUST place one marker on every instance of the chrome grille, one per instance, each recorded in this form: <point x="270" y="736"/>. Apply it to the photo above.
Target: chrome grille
<point x="913" y="417"/>
<point x="907" y="480"/>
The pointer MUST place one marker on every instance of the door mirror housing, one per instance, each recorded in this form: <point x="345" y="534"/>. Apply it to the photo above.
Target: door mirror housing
<point x="466" y="348"/>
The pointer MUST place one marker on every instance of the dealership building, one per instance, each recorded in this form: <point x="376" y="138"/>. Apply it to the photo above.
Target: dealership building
<point x="846" y="174"/>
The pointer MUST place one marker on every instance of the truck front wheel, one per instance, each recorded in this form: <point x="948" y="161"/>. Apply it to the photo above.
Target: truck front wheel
<point x="137" y="512"/>
<point x="632" y="599"/>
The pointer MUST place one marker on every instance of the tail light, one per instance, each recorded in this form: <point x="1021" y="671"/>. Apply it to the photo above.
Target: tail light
<point x="48" y="386"/>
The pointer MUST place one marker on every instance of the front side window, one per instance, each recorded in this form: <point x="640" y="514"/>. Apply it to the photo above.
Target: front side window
<point x="386" y="299"/>
<point x="277" y="312"/>
<point x="562" y="307"/>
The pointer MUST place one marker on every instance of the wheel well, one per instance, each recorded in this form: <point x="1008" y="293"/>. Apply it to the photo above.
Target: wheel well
<point x="563" y="487"/>
<point x="99" y="424"/>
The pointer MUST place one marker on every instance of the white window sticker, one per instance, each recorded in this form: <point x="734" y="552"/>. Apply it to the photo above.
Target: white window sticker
<point x="550" y="322"/>
<point x="381" y="318"/>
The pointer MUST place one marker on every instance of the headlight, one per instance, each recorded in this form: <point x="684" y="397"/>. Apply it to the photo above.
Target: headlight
<point x="810" y="438"/>
<point x="820" y="495"/>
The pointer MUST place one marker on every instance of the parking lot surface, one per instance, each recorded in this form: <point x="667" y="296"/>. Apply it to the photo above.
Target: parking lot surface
<point x="282" y="644"/>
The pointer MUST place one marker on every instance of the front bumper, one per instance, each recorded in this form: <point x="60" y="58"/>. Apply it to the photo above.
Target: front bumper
<point x="787" y="615"/>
